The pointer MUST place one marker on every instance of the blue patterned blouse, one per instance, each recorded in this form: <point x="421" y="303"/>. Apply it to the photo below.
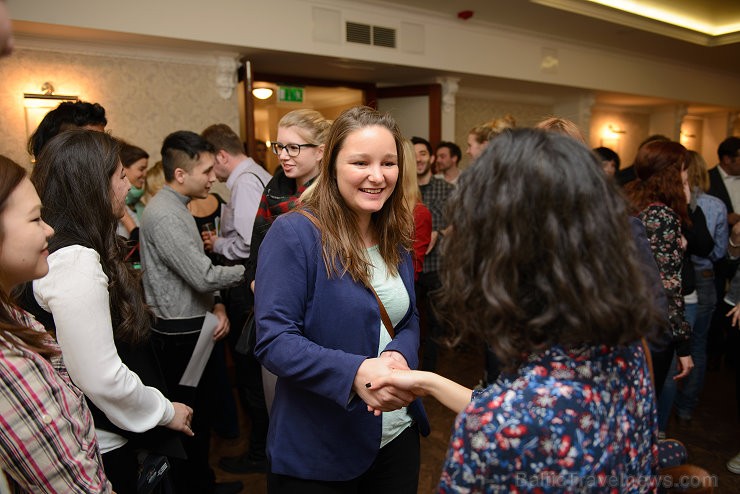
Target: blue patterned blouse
<point x="578" y="420"/>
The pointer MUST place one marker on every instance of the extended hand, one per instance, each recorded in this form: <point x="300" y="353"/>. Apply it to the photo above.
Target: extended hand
<point x="382" y="400"/>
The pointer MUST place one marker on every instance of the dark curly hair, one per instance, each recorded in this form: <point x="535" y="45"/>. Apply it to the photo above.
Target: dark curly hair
<point x="658" y="167"/>
<point x="73" y="178"/>
<point x="530" y="264"/>
<point x="68" y="115"/>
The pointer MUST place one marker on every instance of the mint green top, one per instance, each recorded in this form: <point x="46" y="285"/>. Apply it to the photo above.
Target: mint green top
<point x="392" y="293"/>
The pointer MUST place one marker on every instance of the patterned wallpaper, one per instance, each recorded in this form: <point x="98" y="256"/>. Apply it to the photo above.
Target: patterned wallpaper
<point x="144" y="99"/>
<point x="471" y="112"/>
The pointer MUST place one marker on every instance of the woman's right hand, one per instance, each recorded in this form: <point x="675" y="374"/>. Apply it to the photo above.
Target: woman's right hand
<point x="182" y="419"/>
<point x="383" y="400"/>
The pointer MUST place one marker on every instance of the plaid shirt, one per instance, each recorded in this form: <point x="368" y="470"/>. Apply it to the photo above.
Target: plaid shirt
<point x="280" y="196"/>
<point x="47" y="438"/>
<point x="434" y="195"/>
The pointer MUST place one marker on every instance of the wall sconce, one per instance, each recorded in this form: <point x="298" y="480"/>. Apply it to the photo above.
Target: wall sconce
<point x="611" y="135"/>
<point x="37" y="105"/>
<point x="262" y="92"/>
<point x="616" y="130"/>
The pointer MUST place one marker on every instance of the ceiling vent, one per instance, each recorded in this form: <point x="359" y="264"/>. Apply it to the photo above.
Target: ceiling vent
<point x="366" y="34"/>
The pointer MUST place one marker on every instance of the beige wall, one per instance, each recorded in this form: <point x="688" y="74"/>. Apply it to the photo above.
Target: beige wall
<point x="144" y="99"/>
<point x="316" y="27"/>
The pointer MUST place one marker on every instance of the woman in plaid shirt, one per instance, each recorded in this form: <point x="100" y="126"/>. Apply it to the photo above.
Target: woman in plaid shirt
<point x="47" y="438"/>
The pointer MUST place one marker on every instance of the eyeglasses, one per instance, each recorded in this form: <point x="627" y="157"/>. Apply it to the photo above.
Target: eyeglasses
<point x="292" y="149"/>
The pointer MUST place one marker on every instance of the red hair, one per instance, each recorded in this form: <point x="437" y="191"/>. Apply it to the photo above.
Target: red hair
<point x="658" y="167"/>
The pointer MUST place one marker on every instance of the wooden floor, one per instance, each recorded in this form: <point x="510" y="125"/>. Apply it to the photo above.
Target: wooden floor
<point x="712" y="438"/>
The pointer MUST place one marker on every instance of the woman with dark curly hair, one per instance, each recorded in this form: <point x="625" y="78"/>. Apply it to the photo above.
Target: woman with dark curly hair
<point x="531" y="271"/>
<point x="659" y="198"/>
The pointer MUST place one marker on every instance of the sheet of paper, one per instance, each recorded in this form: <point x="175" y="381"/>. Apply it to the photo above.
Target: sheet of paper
<point x="201" y="354"/>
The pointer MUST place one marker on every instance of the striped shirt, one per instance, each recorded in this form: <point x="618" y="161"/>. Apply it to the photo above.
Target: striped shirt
<point x="47" y="438"/>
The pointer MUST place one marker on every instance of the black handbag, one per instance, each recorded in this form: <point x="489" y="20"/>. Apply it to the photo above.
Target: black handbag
<point x="248" y="337"/>
<point x="154" y="475"/>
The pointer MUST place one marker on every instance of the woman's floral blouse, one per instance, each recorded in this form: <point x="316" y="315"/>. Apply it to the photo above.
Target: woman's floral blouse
<point x="577" y="420"/>
<point x="663" y="230"/>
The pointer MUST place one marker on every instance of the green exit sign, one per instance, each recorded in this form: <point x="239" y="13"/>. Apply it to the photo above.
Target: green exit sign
<point x="291" y="94"/>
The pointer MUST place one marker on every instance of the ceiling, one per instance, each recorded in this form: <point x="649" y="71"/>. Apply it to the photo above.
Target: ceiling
<point x="574" y="21"/>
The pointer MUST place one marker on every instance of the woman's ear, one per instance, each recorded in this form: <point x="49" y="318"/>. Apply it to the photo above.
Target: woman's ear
<point x="320" y="152"/>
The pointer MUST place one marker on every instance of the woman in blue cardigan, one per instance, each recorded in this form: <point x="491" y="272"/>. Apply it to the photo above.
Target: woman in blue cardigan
<point x="319" y="325"/>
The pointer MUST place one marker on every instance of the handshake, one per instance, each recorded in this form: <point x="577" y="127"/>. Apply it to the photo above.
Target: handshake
<point x="386" y="383"/>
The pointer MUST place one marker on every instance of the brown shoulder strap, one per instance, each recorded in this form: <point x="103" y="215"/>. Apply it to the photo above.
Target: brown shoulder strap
<point x="383" y="313"/>
<point x="311" y="217"/>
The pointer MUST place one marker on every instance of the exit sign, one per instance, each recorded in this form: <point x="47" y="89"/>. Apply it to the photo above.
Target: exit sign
<point x="291" y="94"/>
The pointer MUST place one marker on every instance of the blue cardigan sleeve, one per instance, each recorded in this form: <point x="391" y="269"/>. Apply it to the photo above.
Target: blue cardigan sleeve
<point x="288" y="259"/>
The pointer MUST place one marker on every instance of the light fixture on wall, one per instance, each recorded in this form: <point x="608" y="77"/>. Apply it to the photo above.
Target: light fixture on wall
<point x="37" y="105"/>
<point x="262" y="92"/>
<point x="616" y="130"/>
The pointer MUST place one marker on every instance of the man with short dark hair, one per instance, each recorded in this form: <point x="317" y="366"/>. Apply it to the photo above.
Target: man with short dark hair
<point x="434" y="192"/>
<point x="180" y="284"/>
<point x="448" y="156"/>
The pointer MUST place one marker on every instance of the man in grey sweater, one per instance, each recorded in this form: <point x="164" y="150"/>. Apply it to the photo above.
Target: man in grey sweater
<point x="180" y="284"/>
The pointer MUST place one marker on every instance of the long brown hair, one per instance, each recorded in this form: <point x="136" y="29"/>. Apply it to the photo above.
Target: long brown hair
<point x="343" y="248"/>
<point x="73" y="177"/>
<point x="531" y="263"/>
<point x="11" y="176"/>
<point x="658" y="167"/>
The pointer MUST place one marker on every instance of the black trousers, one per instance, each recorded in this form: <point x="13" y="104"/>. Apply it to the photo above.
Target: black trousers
<point x="395" y="470"/>
<point x="427" y="285"/>
<point x="661" y="367"/>
<point x="239" y="302"/>
<point x="174" y="352"/>
<point x="122" y="469"/>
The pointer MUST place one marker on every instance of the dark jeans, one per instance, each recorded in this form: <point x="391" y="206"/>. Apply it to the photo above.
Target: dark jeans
<point x="428" y="284"/>
<point x="395" y="470"/>
<point x="174" y="352"/>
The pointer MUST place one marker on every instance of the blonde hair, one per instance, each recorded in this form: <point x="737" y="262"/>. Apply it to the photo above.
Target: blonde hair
<point x="561" y="126"/>
<point x="311" y="125"/>
<point x="697" y="170"/>
<point x="487" y="131"/>
<point x="343" y="248"/>
<point x="154" y="181"/>
<point x="411" y="189"/>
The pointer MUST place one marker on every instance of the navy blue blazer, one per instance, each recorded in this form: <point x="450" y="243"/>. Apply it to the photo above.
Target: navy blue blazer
<point x="313" y="333"/>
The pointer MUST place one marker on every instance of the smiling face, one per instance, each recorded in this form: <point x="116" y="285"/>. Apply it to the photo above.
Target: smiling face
<point x="367" y="170"/>
<point x="136" y="173"/>
<point x="303" y="167"/>
<point x="23" y="238"/>
<point x="119" y="187"/>
<point x="424" y="160"/>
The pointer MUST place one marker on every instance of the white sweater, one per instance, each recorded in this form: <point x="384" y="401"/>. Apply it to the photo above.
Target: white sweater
<point x="76" y="293"/>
